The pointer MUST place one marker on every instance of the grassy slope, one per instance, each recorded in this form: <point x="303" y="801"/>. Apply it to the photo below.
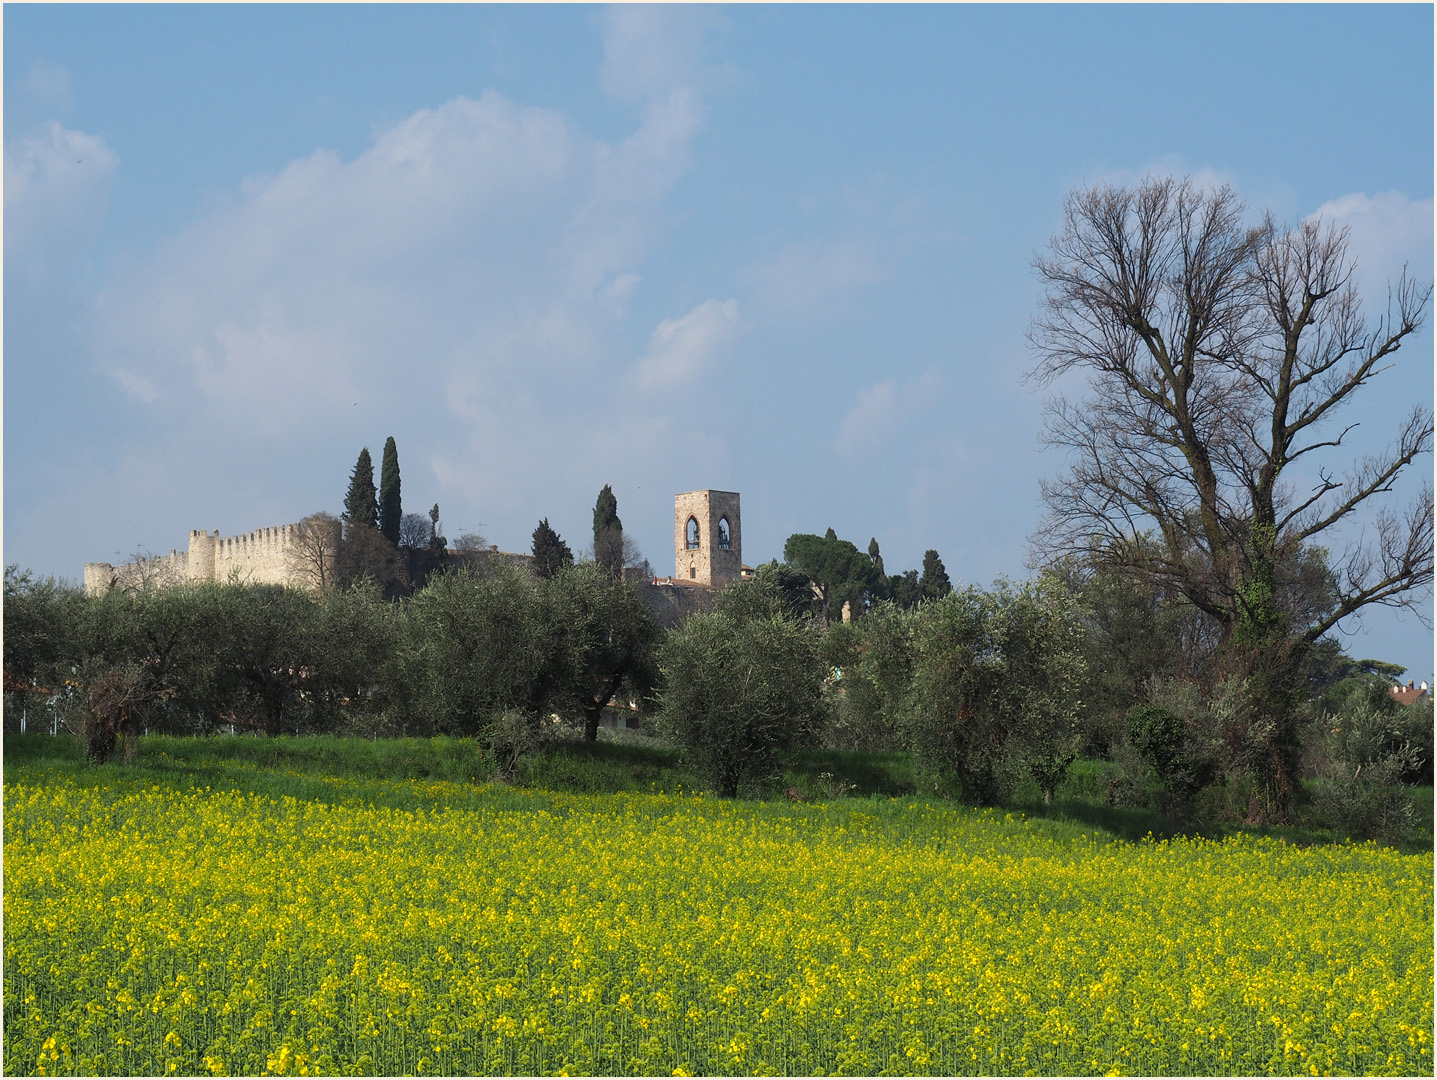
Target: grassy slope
<point x="307" y="767"/>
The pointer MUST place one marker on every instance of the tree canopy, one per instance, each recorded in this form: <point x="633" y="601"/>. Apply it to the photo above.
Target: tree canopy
<point x="1207" y="453"/>
<point x="361" y="502"/>
<point x="551" y="554"/>
<point x="837" y="568"/>
<point x="608" y="532"/>
<point x="1220" y="357"/>
<point x="605" y="636"/>
<point x="934" y="583"/>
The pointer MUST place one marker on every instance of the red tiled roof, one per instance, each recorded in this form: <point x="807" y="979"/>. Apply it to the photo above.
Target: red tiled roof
<point x="1406" y="695"/>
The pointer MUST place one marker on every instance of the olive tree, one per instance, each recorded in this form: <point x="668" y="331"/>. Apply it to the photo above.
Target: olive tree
<point x="737" y="690"/>
<point x="601" y="637"/>
<point x="472" y="648"/>
<point x="872" y="661"/>
<point x="997" y="688"/>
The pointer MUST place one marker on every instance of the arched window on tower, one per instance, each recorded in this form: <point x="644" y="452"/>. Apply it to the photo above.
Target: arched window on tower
<point x="724" y="541"/>
<point x="692" y="532"/>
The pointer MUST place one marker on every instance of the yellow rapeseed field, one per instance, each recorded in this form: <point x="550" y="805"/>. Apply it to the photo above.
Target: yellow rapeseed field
<point x="156" y="931"/>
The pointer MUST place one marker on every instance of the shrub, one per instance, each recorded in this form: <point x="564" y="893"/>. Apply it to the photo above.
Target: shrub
<point x="1414" y="722"/>
<point x="1045" y="675"/>
<point x="1368" y="753"/>
<point x="112" y="703"/>
<point x="1365" y="801"/>
<point x="1183" y="763"/>
<point x="1134" y="779"/>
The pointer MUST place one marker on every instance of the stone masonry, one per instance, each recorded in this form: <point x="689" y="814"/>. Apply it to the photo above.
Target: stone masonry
<point x="707" y="538"/>
<point x="262" y="557"/>
<point x="708" y="547"/>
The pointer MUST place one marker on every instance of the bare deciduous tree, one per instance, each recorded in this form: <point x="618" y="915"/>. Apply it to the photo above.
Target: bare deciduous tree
<point x="314" y="551"/>
<point x="1220" y="357"/>
<point x="415" y="531"/>
<point x="470" y="541"/>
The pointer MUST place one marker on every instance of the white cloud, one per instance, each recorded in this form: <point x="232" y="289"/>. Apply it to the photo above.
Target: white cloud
<point x="619" y="291"/>
<point x="651" y="50"/>
<point x="477" y="243"/>
<point x="1204" y="177"/>
<point x="878" y="411"/>
<point x="464" y="283"/>
<point x="1385" y="231"/>
<point x="136" y="385"/>
<point x="57" y="187"/>
<point x="682" y="349"/>
<point x="870" y="420"/>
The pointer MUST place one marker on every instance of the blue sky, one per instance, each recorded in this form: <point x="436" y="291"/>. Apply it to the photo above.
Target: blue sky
<point x="779" y="250"/>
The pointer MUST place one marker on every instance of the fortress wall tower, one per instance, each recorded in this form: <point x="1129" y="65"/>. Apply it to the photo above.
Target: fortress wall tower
<point x="707" y="537"/>
<point x="202" y="555"/>
<point x="98" y="576"/>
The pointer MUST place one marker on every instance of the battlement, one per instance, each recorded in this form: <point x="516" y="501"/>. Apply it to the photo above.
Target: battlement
<point x="268" y="556"/>
<point x="708" y="553"/>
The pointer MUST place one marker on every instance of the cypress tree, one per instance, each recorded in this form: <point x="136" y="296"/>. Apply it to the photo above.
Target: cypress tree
<point x="361" y="505"/>
<point x="608" y="532"/>
<point x="879" y="590"/>
<point x="550" y="553"/>
<point x="934" y="581"/>
<point x="438" y="545"/>
<point x="389" y="509"/>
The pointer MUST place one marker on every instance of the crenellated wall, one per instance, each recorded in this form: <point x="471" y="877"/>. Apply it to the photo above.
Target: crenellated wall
<point x="262" y="557"/>
<point x="157" y="570"/>
<point x="267" y="556"/>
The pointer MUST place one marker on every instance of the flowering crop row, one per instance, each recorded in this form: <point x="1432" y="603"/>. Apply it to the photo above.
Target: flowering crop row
<point x="151" y="930"/>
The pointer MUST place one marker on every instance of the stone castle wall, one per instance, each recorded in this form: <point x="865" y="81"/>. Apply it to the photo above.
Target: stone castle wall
<point x="269" y="556"/>
<point x="158" y="570"/>
<point x="283" y="555"/>
<point x="263" y="557"/>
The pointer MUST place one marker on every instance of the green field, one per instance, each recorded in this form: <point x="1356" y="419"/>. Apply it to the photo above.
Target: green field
<point x="247" y="906"/>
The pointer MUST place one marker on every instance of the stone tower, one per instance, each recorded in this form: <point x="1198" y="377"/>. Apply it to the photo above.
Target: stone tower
<point x="707" y="537"/>
<point x="202" y="554"/>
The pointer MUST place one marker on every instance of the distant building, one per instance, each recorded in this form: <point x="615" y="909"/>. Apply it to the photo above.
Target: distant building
<point x="708" y="547"/>
<point x="273" y="556"/>
<point x="1406" y="695"/>
<point x="708" y="538"/>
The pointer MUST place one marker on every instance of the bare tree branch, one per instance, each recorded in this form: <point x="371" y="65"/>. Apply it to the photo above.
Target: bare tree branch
<point x="314" y="551"/>
<point x="1218" y="355"/>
